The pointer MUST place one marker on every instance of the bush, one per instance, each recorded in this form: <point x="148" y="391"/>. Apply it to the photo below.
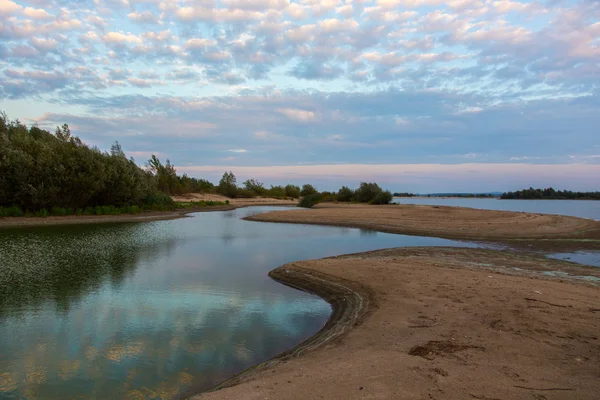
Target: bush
<point x="41" y="213"/>
<point x="367" y="192"/>
<point x="309" y="201"/>
<point x="292" y="191"/>
<point x="345" y="194"/>
<point x="383" y="197"/>
<point x="245" y="194"/>
<point x="159" y="199"/>
<point x="13" y="211"/>
<point x="307" y="190"/>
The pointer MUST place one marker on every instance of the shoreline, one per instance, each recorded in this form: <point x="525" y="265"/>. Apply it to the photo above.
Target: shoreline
<point x="517" y="263"/>
<point x="530" y="232"/>
<point x="350" y="302"/>
<point x="261" y="381"/>
<point x="15" y="222"/>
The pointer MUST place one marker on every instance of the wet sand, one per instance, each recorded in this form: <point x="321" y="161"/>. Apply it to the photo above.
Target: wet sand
<point x="439" y="323"/>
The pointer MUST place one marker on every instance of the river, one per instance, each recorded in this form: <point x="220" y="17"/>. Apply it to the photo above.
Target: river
<point x="157" y="310"/>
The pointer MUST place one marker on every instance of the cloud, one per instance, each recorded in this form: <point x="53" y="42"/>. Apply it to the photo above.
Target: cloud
<point x="298" y="115"/>
<point x="373" y="81"/>
<point x="237" y="150"/>
<point x="119" y="38"/>
<point x="146" y="17"/>
<point x="8" y="7"/>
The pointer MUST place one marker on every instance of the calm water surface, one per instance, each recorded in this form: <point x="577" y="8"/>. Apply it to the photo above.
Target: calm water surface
<point x="157" y="310"/>
<point x="591" y="258"/>
<point x="575" y="208"/>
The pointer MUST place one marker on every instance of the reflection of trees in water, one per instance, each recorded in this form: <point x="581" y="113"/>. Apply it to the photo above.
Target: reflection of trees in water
<point x="367" y="232"/>
<point x="63" y="265"/>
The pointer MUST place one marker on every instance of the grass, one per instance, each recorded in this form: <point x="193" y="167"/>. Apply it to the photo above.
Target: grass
<point x="202" y="203"/>
<point x="15" y="211"/>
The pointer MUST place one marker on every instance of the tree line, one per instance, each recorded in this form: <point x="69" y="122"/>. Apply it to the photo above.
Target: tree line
<point x="44" y="173"/>
<point x="550" y="194"/>
<point x="367" y="192"/>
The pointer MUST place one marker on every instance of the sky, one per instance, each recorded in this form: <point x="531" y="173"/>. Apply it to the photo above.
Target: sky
<point x="418" y="95"/>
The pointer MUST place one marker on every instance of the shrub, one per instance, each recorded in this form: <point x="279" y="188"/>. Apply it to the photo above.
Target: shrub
<point x="13" y="211"/>
<point x="41" y="213"/>
<point x="345" y="194"/>
<point x="253" y="188"/>
<point x="307" y="190"/>
<point x="309" y="201"/>
<point x="245" y="194"/>
<point x="367" y="192"/>
<point x="159" y="199"/>
<point x="383" y="197"/>
<point x="292" y="191"/>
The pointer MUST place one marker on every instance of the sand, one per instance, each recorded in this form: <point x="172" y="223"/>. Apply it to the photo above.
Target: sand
<point x="441" y="323"/>
<point x="441" y="221"/>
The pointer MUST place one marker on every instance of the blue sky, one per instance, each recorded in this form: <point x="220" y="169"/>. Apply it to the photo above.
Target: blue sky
<point x="420" y="95"/>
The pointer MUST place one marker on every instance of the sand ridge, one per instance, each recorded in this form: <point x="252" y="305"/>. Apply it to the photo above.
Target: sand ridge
<point x="441" y="221"/>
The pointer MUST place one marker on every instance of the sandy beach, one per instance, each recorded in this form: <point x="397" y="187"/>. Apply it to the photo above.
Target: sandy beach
<point x="525" y="231"/>
<point x="442" y="323"/>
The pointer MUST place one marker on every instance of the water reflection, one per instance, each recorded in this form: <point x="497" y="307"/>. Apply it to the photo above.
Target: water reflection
<point x="158" y="309"/>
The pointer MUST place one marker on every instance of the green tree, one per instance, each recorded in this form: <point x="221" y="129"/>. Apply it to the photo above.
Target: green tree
<point x="367" y="191"/>
<point x="254" y="186"/>
<point x="228" y="185"/>
<point x="307" y="190"/>
<point x="292" y="191"/>
<point x="345" y="194"/>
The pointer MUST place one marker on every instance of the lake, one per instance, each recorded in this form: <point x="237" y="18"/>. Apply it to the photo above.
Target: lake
<point x="157" y="310"/>
<point x="589" y="209"/>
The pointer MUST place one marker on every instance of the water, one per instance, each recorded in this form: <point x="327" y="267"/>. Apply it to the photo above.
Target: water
<point x="157" y="310"/>
<point x="580" y="257"/>
<point x="575" y="208"/>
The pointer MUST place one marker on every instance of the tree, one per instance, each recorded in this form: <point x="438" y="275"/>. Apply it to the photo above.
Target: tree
<point x="307" y="190"/>
<point x="228" y="185"/>
<point x="254" y="186"/>
<point x="383" y="197"/>
<point x="345" y="194"/>
<point x="63" y="134"/>
<point x="292" y="191"/>
<point x="367" y="192"/>
<point x="116" y="150"/>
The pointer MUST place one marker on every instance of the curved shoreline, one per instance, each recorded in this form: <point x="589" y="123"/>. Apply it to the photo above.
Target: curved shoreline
<point x="350" y="302"/>
<point x="571" y="300"/>
<point x="324" y="285"/>
<point x="14" y="222"/>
